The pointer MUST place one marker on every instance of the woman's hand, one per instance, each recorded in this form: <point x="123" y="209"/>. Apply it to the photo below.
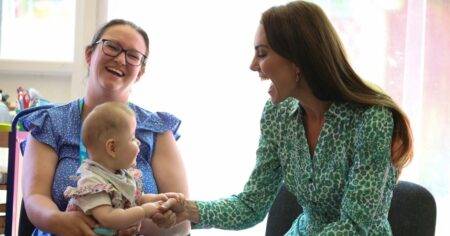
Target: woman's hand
<point x="74" y="223"/>
<point x="167" y="219"/>
<point x="167" y="215"/>
<point x="133" y="230"/>
<point x="174" y="211"/>
<point x="77" y="223"/>
<point x="176" y="202"/>
<point x="170" y="176"/>
<point x="184" y="209"/>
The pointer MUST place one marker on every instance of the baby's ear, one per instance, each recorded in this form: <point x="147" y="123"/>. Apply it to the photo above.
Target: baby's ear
<point x="110" y="146"/>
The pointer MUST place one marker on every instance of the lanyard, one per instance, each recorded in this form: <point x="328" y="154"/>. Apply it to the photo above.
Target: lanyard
<point x="83" y="156"/>
<point x="83" y="152"/>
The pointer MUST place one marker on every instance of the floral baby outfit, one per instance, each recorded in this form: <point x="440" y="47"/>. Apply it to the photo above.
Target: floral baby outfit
<point x="99" y="186"/>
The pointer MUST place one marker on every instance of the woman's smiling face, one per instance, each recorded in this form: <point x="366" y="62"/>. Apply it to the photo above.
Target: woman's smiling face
<point x="113" y="74"/>
<point x="281" y="72"/>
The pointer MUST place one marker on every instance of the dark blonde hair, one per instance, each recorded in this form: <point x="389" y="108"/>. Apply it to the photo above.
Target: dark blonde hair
<point x="301" y="32"/>
<point x="105" y="121"/>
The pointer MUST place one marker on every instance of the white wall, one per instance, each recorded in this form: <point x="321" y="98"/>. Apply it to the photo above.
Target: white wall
<point x="57" y="81"/>
<point x="51" y="87"/>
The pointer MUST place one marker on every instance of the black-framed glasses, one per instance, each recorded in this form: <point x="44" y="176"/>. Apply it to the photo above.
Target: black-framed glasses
<point x="114" y="49"/>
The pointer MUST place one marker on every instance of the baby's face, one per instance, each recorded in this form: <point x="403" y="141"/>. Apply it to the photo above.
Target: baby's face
<point x="128" y="146"/>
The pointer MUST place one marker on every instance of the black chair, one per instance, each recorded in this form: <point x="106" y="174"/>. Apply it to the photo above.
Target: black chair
<point x="412" y="212"/>
<point x="283" y="212"/>
<point x="25" y="227"/>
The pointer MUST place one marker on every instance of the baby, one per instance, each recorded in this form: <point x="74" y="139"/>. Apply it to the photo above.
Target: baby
<point x="109" y="188"/>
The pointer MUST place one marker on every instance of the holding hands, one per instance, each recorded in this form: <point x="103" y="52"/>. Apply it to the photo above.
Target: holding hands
<point x="163" y="209"/>
<point x="176" y="202"/>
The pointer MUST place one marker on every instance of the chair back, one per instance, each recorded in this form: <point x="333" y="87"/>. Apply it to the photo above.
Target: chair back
<point x="283" y="212"/>
<point x="13" y="194"/>
<point x="412" y="211"/>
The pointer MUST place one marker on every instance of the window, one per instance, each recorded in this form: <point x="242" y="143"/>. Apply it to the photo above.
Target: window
<point x="403" y="47"/>
<point x="198" y="69"/>
<point x="37" y="30"/>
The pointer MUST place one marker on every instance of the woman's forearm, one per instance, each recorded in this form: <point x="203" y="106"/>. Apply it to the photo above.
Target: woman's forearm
<point x="39" y="164"/>
<point x="42" y="212"/>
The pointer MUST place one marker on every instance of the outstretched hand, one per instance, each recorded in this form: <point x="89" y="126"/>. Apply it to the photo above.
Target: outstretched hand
<point x="176" y="202"/>
<point x="170" y="210"/>
<point x="146" y="198"/>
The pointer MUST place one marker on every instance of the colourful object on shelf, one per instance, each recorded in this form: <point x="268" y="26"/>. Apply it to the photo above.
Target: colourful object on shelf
<point x="5" y="127"/>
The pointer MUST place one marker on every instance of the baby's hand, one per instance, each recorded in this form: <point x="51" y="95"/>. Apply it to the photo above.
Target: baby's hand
<point x="166" y="217"/>
<point x="151" y="208"/>
<point x="152" y="198"/>
<point x="176" y="202"/>
<point x="170" y="210"/>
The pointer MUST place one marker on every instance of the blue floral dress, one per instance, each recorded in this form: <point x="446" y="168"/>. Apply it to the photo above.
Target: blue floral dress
<point x="59" y="127"/>
<point x="345" y="188"/>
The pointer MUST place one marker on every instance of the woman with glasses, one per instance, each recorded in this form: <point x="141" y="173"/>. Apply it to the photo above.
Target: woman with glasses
<point x="335" y="142"/>
<point x="116" y="59"/>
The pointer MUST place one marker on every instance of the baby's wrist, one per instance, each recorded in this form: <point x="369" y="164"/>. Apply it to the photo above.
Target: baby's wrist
<point x="149" y="210"/>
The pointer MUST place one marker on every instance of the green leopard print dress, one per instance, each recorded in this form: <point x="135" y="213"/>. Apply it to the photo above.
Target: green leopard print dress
<point x="344" y="189"/>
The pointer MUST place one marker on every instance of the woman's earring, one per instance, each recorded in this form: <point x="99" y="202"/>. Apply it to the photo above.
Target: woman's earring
<point x="298" y="78"/>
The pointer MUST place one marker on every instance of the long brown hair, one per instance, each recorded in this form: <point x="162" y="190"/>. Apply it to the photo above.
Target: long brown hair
<point x="301" y="32"/>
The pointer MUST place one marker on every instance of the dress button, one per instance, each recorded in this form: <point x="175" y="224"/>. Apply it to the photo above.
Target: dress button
<point x="311" y="185"/>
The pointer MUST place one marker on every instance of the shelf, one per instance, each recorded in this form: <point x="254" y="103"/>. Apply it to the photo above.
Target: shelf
<point x="2" y="224"/>
<point x="4" y="139"/>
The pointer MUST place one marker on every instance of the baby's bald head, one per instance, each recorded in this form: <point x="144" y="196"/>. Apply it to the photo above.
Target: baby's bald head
<point x="106" y="121"/>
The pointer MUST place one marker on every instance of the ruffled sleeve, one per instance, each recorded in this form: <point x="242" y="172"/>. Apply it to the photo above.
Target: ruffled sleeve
<point x="158" y="122"/>
<point x="87" y="189"/>
<point x="91" y="192"/>
<point x="169" y="122"/>
<point x="40" y="125"/>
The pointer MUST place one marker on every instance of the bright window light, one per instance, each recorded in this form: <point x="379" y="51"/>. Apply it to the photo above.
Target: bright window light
<point x="198" y="69"/>
<point x="40" y="30"/>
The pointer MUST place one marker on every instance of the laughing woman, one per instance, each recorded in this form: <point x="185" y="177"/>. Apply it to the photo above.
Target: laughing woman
<point x="117" y="59"/>
<point x="336" y="143"/>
